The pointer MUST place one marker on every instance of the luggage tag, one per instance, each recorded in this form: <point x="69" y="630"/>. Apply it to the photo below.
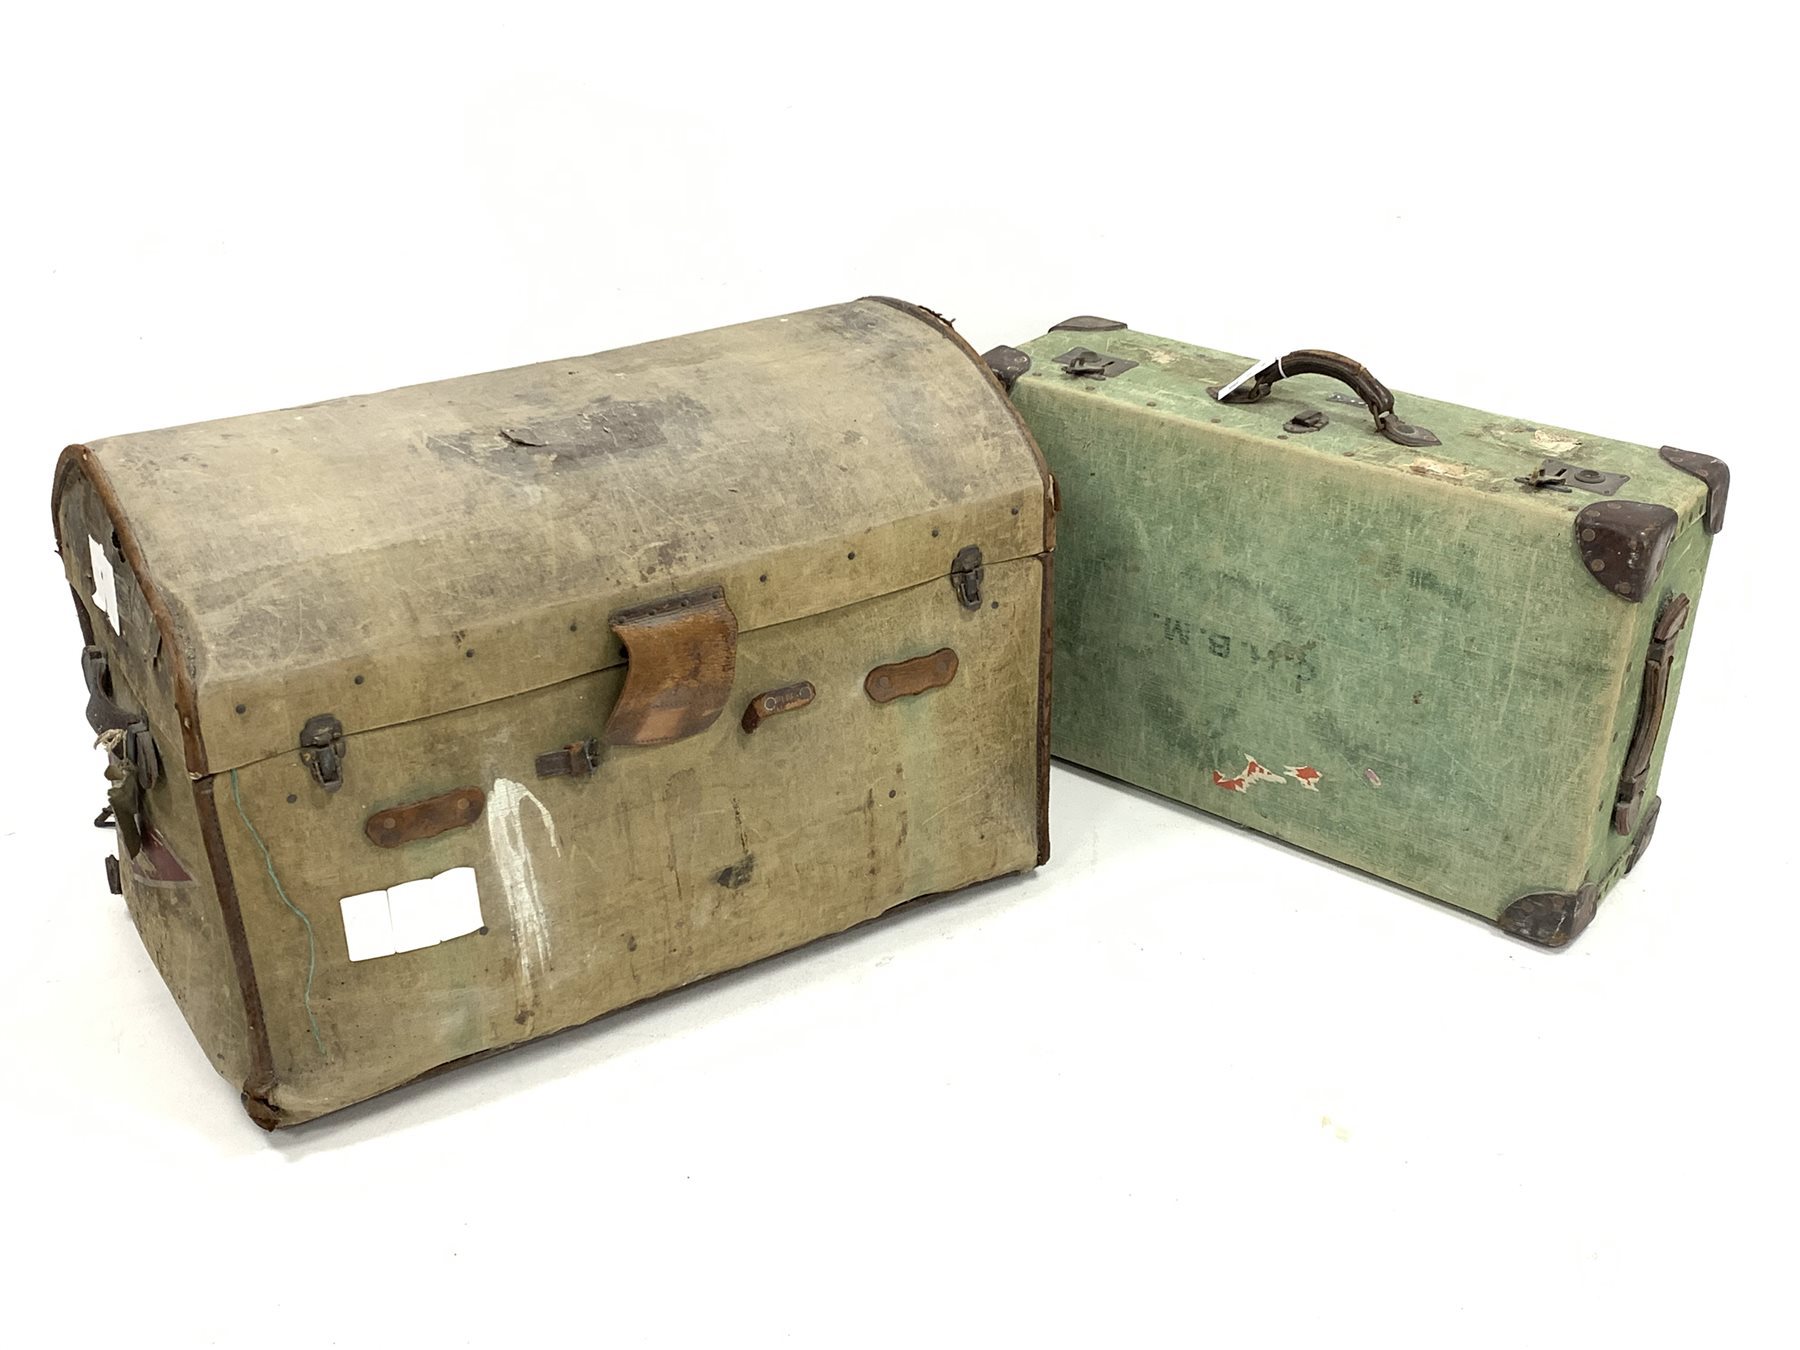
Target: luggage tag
<point x="1225" y="391"/>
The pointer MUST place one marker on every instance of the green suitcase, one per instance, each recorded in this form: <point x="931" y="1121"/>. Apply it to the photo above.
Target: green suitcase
<point x="444" y="718"/>
<point x="1443" y="650"/>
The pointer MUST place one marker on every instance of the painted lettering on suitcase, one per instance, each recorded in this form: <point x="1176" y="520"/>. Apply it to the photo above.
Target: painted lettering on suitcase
<point x="1187" y="633"/>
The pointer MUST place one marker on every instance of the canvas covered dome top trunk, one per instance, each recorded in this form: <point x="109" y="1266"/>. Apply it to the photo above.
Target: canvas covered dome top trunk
<point x="444" y="718"/>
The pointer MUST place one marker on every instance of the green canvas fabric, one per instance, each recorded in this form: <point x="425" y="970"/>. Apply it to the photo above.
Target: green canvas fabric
<point x="1392" y="656"/>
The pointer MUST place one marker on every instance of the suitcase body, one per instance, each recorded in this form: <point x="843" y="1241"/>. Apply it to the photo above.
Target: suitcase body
<point x="445" y="718"/>
<point x="1438" y="645"/>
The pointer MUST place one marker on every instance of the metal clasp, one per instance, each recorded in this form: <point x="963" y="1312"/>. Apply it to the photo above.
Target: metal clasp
<point x="322" y="750"/>
<point x="1083" y="362"/>
<point x="965" y="577"/>
<point x="1556" y="475"/>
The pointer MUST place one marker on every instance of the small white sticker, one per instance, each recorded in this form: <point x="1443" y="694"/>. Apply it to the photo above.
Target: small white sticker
<point x="106" y="590"/>
<point x="1257" y="369"/>
<point x="411" y="915"/>
<point x="368" y="931"/>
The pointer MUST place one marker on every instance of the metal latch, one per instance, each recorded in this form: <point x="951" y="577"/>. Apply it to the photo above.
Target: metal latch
<point x="1080" y="361"/>
<point x="322" y="750"/>
<point x="575" y="760"/>
<point x="1556" y="475"/>
<point x="965" y="577"/>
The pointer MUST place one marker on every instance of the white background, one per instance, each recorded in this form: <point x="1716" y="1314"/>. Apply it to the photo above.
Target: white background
<point x="1182" y="1085"/>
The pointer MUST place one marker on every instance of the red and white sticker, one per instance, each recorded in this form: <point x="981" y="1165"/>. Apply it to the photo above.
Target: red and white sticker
<point x="1254" y="772"/>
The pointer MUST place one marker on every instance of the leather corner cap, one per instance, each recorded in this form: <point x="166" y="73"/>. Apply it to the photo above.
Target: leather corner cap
<point x="1551" y="918"/>
<point x="680" y="659"/>
<point x="1623" y="544"/>
<point x="1715" y="473"/>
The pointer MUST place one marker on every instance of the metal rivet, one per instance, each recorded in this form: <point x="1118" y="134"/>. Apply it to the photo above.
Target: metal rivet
<point x="573" y="627"/>
<point x="882" y="682"/>
<point x="1588" y="535"/>
<point x="995" y="605"/>
<point x="851" y="555"/>
<point x="470" y="652"/>
<point x="387" y="822"/>
<point x="357" y="680"/>
<point x="1015" y="510"/>
<point x="768" y="705"/>
<point x="934" y="534"/>
<point x="292" y="799"/>
<point x="892" y="792"/>
<point x="1597" y="565"/>
<point x="763" y="577"/>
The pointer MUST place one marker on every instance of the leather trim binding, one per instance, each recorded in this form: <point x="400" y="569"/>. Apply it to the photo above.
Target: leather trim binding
<point x="260" y="1082"/>
<point x="1045" y="652"/>
<point x="1088" y="323"/>
<point x="1715" y="473"/>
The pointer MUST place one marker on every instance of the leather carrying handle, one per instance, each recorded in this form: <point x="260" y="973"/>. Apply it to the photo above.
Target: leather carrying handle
<point x="1375" y="395"/>
<point x="1658" y="661"/>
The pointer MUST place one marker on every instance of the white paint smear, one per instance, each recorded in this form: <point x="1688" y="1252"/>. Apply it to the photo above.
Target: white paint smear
<point x="411" y="915"/>
<point x="518" y="876"/>
<point x="106" y="589"/>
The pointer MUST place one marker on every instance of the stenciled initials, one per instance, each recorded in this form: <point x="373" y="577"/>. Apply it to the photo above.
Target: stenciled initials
<point x="1285" y="657"/>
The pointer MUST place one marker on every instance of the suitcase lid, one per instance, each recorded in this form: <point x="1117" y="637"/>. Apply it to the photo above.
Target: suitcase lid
<point x="383" y="558"/>
<point x="1534" y="466"/>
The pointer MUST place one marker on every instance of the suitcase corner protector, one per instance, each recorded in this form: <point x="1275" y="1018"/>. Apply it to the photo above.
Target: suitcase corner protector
<point x="1623" y="544"/>
<point x="1710" y="470"/>
<point x="1551" y="918"/>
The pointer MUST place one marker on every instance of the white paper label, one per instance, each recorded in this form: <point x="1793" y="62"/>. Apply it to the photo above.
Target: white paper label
<point x="368" y="931"/>
<point x="411" y="915"/>
<point x="106" y="590"/>
<point x="1256" y="369"/>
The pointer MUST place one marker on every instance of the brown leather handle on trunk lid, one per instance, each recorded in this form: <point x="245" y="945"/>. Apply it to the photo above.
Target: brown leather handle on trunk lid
<point x="680" y="658"/>
<point x="1375" y="395"/>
